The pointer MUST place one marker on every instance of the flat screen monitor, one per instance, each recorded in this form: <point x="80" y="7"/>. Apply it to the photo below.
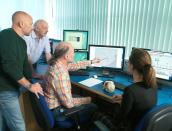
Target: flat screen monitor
<point x="78" y="38"/>
<point x="110" y="56"/>
<point x="80" y="56"/>
<point x="162" y="63"/>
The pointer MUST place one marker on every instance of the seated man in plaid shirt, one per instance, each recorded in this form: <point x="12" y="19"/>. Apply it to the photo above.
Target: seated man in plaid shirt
<point x="57" y="85"/>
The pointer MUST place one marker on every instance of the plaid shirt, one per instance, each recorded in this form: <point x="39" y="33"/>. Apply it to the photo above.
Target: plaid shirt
<point x="57" y="85"/>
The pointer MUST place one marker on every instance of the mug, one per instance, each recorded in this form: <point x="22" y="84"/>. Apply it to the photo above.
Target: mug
<point x="109" y="86"/>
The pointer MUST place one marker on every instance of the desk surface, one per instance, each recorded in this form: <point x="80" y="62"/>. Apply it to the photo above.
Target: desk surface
<point x="164" y="92"/>
<point x="97" y="89"/>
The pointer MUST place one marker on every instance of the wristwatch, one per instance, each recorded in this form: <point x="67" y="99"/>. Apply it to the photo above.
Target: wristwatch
<point x="28" y="86"/>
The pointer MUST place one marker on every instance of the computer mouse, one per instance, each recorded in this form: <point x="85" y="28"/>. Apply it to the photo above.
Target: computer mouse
<point x="94" y="76"/>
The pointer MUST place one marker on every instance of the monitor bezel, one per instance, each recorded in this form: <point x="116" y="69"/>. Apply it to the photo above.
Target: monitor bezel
<point x="146" y="49"/>
<point x="110" y="46"/>
<point x="77" y="31"/>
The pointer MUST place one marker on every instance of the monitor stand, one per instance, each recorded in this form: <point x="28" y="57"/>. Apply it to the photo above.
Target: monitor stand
<point x="106" y="73"/>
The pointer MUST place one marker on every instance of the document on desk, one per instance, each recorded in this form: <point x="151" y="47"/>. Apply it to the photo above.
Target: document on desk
<point x="90" y="82"/>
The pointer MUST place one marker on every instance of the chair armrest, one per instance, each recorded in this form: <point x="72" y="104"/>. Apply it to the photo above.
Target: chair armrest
<point x="73" y="110"/>
<point x="101" y="126"/>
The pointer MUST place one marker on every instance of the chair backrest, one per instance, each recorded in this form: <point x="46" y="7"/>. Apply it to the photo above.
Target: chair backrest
<point x="159" y="118"/>
<point x="43" y="115"/>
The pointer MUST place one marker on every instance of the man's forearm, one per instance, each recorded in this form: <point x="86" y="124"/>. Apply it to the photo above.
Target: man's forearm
<point x="78" y="65"/>
<point x="24" y="82"/>
<point x="34" y="88"/>
<point x="48" y="56"/>
<point x="31" y="66"/>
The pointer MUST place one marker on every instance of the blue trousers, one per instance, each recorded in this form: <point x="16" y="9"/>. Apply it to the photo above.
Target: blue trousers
<point x="10" y="112"/>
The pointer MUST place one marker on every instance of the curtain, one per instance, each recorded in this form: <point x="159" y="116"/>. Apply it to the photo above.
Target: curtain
<point x="130" y="23"/>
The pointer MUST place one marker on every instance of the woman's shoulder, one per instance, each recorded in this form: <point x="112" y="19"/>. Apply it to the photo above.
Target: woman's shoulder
<point x="139" y="86"/>
<point x="135" y="86"/>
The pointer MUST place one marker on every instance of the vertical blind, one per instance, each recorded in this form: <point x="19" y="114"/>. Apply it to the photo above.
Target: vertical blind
<point x="130" y="23"/>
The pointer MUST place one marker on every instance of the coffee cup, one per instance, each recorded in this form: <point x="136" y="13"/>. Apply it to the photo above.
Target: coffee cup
<point x="109" y="86"/>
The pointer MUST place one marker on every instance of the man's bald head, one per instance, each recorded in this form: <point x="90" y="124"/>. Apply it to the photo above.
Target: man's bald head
<point x="40" y="23"/>
<point x="20" y="16"/>
<point x="41" y="28"/>
<point x="63" y="51"/>
<point x="22" y="23"/>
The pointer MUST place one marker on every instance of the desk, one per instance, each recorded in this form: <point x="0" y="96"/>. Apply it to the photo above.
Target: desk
<point x="164" y="94"/>
<point x="97" y="89"/>
<point x="164" y="91"/>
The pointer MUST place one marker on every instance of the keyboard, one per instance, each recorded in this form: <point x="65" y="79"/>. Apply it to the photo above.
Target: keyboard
<point x="119" y="86"/>
<point x="79" y="73"/>
<point x="106" y="76"/>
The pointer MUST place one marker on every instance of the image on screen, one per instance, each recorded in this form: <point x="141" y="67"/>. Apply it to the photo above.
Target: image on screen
<point x="110" y="56"/>
<point x="80" y="56"/>
<point x="78" y="38"/>
<point x="162" y="63"/>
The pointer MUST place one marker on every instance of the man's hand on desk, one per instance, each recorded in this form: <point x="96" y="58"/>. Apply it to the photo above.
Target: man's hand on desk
<point x="117" y="98"/>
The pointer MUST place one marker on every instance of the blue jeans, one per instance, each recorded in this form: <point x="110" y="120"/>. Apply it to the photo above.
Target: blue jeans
<point x="10" y="112"/>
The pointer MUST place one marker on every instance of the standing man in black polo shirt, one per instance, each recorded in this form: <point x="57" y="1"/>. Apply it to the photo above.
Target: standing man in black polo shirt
<point x="15" y="70"/>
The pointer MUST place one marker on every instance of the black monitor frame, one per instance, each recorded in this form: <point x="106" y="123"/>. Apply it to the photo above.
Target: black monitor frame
<point x="78" y="31"/>
<point x="107" y="46"/>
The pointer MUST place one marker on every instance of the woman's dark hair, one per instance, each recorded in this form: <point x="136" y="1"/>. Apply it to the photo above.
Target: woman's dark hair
<point x="60" y="50"/>
<point x="141" y="61"/>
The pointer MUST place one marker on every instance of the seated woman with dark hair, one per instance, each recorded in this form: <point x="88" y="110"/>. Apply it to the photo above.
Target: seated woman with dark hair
<point x="137" y="98"/>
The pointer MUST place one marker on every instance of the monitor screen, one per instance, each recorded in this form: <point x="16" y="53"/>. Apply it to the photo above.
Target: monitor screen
<point x="78" y="38"/>
<point x="110" y="56"/>
<point x="162" y="63"/>
<point x="80" y="56"/>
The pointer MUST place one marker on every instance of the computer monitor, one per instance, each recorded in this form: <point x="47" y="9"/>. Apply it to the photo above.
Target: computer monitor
<point x="162" y="63"/>
<point x="111" y="57"/>
<point x="80" y="56"/>
<point x="78" y="38"/>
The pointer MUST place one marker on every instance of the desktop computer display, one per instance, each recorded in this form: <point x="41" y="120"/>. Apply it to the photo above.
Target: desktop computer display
<point x="80" y="56"/>
<point x="78" y="38"/>
<point x="110" y="56"/>
<point x="162" y="63"/>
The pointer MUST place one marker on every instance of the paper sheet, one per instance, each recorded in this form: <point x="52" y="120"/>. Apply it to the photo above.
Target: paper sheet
<point x="90" y="82"/>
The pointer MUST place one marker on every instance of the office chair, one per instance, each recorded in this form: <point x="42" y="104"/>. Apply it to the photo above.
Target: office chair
<point x="159" y="118"/>
<point x="45" y="118"/>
